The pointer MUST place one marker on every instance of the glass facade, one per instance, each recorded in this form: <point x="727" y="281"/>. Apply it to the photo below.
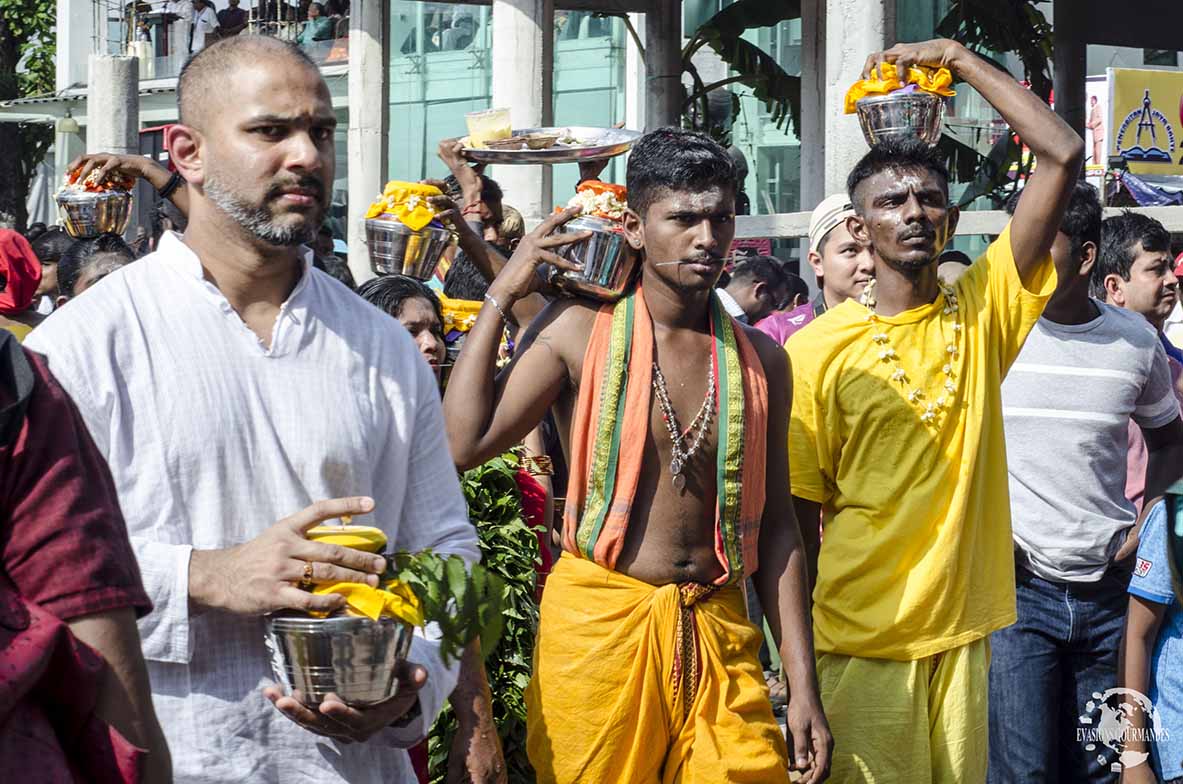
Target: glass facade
<point x="440" y="74"/>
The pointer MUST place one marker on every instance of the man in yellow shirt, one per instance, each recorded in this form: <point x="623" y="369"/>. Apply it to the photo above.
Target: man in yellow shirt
<point x="896" y="440"/>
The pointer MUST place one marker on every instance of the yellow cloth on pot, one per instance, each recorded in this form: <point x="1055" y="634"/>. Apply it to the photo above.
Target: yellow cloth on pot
<point x="406" y="201"/>
<point x="938" y="81"/>
<point x="396" y="600"/>
<point x="459" y="314"/>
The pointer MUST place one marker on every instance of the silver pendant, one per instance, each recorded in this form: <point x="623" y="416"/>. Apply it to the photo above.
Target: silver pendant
<point x="679" y="482"/>
<point x="676" y="466"/>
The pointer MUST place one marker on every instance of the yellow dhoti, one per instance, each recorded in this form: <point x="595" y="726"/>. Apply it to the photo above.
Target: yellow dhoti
<point x="616" y="697"/>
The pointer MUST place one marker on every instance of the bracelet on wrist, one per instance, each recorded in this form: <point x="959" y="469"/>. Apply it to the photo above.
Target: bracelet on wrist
<point x="490" y="298"/>
<point x="171" y="186"/>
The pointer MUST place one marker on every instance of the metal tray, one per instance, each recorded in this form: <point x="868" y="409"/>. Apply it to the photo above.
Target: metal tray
<point x="603" y="143"/>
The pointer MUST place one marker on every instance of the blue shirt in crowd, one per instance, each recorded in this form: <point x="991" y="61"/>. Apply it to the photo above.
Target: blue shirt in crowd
<point x="1152" y="582"/>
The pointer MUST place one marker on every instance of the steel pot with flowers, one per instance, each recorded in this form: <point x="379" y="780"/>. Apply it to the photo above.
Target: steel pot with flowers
<point x="356" y="652"/>
<point x="403" y="234"/>
<point x="609" y="262"/>
<point x="96" y="205"/>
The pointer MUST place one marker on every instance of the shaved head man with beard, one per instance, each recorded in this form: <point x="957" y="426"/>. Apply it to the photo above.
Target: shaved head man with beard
<point x="241" y="397"/>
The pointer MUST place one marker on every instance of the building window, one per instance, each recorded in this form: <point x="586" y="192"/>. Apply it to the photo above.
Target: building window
<point x="1160" y="57"/>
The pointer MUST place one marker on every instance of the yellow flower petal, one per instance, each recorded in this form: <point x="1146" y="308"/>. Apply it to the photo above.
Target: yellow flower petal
<point x="938" y="81"/>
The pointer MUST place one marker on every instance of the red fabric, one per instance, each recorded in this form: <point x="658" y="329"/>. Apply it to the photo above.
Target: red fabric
<point x="64" y="553"/>
<point x="58" y="507"/>
<point x="534" y="509"/>
<point x="418" y="755"/>
<point x="48" y="689"/>
<point x="20" y="266"/>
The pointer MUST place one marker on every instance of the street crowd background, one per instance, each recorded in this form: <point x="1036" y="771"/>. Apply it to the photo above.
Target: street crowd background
<point x="125" y="401"/>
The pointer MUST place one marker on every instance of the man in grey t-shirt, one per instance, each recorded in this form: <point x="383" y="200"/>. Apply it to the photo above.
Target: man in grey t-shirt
<point x="1086" y="369"/>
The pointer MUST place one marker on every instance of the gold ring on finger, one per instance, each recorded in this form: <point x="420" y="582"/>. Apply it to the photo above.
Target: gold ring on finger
<point x="306" y="580"/>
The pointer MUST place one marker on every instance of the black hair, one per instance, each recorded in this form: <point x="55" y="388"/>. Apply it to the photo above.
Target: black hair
<point x="50" y="245"/>
<point x="955" y="256"/>
<point x="389" y="292"/>
<point x="797" y="285"/>
<point x="672" y="159"/>
<point x="319" y="7"/>
<point x="895" y="154"/>
<point x="1120" y="237"/>
<point x="490" y="190"/>
<point x="35" y="230"/>
<point x="765" y="269"/>
<point x="1082" y="218"/>
<point x="464" y="280"/>
<point x="85" y="252"/>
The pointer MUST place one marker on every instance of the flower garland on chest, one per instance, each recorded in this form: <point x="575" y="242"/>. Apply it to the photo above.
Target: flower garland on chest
<point x="932" y="409"/>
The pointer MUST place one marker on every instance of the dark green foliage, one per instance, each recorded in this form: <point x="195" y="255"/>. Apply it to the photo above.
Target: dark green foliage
<point x="27" y="39"/>
<point x="510" y="553"/>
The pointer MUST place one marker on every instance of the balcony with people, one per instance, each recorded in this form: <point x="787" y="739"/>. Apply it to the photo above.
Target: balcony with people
<point x="164" y="35"/>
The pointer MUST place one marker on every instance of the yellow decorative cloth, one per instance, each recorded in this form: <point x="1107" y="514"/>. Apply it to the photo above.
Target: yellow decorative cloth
<point x="406" y="201"/>
<point x="648" y="684"/>
<point x="396" y="600"/>
<point x="938" y="81"/>
<point x="459" y="314"/>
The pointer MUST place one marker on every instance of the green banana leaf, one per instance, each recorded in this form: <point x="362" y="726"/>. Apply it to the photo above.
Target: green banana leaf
<point x="750" y="65"/>
<point x="1005" y="26"/>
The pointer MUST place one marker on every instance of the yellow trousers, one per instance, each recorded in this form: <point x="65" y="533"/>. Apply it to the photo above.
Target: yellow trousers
<point x="912" y="722"/>
<point x="607" y="702"/>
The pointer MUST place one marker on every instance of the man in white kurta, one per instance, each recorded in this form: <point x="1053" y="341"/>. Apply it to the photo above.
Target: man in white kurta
<point x="215" y="428"/>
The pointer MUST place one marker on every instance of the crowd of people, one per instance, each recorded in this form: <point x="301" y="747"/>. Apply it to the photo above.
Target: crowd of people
<point x="934" y="490"/>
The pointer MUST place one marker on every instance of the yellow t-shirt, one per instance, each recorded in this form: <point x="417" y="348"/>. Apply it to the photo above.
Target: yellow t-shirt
<point x="916" y="555"/>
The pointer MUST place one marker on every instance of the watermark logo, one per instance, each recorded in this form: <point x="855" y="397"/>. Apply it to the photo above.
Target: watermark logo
<point x="1107" y="727"/>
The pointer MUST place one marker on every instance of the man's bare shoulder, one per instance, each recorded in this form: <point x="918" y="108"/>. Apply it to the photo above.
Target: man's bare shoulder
<point x="772" y="355"/>
<point x="564" y="325"/>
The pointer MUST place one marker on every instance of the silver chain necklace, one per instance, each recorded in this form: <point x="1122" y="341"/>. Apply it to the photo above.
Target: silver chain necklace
<point x="681" y="454"/>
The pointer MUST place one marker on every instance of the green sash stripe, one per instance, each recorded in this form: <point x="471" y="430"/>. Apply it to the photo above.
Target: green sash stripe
<point x="602" y="482"/>
<point x="729" y="458"/>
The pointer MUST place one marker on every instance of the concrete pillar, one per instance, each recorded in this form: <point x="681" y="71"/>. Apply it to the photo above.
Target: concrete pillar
<point x="113" y="109"/>
<point x="523" y="81"/>
<point x="634" y="77"/>
<point x="813" y="116"/>
<point x="663" y="64"/>
<point x="1070" y="50"/>
<point x="369" y="111"/>
<point x="853" y="30"/>
<point x="113" y="104"/>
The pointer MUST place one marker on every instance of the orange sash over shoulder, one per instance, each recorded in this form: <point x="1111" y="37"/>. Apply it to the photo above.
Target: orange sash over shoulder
<point x="612" y="415"/>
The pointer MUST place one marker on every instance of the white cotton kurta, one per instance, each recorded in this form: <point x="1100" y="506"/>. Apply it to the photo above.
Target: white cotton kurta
<point x="211" y="439"/>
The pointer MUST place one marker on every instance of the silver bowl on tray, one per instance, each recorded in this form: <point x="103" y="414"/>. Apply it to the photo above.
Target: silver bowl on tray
<point x="397" y="250"/>
<point x="87" y="214"/>
<point x="900" y="115"/>
<point x="353" y="657"/>
<point x="589" y="144"/>
<point x="609" y="262"/>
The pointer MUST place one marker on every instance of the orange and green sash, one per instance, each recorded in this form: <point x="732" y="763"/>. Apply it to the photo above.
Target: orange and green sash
<point x="612" y="415"/>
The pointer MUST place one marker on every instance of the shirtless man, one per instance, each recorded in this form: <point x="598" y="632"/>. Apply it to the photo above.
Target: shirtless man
<point x="646" y="665"/>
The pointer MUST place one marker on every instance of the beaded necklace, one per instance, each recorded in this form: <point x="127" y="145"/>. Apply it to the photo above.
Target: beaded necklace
<point x="931" y="411"/>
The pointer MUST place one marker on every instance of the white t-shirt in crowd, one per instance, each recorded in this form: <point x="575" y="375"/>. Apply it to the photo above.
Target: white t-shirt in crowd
<point x="205" y="22"/>
<point x="1066" y="407"/>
